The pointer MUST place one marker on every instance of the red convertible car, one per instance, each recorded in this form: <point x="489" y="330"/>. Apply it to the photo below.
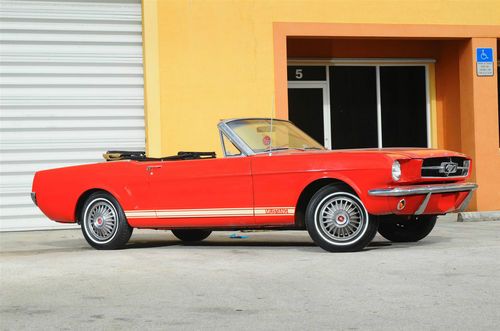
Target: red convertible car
<point x="272" y="176"/>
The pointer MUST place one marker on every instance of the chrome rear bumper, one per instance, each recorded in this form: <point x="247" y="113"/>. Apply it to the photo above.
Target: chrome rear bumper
<point x="33" y="197"/>
<point x="428" y="190"/>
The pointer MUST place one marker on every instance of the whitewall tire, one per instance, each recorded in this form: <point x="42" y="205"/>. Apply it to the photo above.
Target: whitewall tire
<point x="337" y="220"/>
<point x="103" y="222"/>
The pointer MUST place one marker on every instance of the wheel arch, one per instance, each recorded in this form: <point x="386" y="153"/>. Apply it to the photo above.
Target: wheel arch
<point x="84" y="196"/>
<point x="308" y="192"/>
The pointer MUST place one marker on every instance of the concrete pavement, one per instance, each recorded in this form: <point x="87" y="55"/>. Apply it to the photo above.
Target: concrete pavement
<point x="272" y="281"/>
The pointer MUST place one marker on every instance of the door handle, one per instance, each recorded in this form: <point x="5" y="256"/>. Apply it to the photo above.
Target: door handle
<point x="150" y="168"/>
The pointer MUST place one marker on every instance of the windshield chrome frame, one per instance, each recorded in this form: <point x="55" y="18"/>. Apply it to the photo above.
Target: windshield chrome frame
<point x="224" y="129"/>
<point x="222" y="135"/>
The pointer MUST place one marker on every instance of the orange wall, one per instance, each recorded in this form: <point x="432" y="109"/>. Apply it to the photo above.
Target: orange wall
<point x="479" y="124"/>
<point x="448" y="96"/>
<point x="361" y="48"/>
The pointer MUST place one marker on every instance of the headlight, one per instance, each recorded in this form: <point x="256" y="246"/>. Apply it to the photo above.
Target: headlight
<point x="396" y="171"/>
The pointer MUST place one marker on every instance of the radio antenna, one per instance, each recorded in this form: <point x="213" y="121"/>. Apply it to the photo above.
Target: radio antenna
<point x="271" y="133"/>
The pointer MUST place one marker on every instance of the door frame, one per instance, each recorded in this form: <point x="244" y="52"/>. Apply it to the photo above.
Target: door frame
<point x="325" y="87"/>
<point x="377" y="63"/>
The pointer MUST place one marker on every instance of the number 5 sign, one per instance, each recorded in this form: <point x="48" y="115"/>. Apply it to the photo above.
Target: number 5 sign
<point x="299" y="74"/>
<point x="306" y="73"/>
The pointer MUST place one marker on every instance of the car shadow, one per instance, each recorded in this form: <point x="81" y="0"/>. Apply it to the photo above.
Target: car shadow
<point x="383" y="244"/>
<point x="159" y="241"/>
<point x="241" y="243"/>
<point x="75" y="245"/>
<point x="216" y="243"/>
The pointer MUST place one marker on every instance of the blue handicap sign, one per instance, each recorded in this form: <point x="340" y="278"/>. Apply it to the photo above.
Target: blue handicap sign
<point x="484" y="54"/>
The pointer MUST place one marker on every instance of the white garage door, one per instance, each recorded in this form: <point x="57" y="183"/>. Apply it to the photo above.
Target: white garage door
<point x="71" y="87"/>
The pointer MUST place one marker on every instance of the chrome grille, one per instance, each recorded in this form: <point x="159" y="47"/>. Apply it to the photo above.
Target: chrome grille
<point x="445" y="167"/>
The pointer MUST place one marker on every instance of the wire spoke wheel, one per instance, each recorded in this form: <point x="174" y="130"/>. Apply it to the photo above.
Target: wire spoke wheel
<point x="340" y="218"/>
<point x="104" y="224"/>
<point x="101" y="220"/>
<point x="337" y="220"/>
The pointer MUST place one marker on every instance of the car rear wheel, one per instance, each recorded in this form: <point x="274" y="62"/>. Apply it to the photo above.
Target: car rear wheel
<point x="406" y="228"/>
<point x="191" y="234"/>
<point x="103" y="222"/>
<point x="337" y="220"/>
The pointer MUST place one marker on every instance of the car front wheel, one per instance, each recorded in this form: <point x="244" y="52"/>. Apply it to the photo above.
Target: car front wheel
<point x="191" y="234"/>
<point x="103" y="222"/>
<point x="337" y="220"/>
<point x="406" y="228"/>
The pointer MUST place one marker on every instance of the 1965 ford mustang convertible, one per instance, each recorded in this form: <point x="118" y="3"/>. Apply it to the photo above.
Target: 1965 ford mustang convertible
<point x="272" y="176"/>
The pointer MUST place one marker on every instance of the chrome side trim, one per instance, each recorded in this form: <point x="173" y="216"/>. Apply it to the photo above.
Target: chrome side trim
<point x="422" y="189"/>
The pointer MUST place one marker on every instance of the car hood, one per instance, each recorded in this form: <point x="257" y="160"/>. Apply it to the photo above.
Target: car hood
<point x="395" y="153"/>
<point x="412" y="153"/>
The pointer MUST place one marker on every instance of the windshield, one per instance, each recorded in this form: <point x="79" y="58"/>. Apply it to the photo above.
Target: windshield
<point x="266" y="135"/>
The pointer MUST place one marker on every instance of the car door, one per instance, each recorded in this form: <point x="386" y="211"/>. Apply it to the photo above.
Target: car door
<point x="278" y="181"/>
<point x="201" y="193"/>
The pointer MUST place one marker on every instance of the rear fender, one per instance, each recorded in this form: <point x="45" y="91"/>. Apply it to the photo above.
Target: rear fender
<point x="123" y="197"/>
<point x="59" y="191"/>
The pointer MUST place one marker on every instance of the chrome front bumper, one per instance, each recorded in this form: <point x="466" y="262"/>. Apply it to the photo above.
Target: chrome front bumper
<point x="428" y="190"/>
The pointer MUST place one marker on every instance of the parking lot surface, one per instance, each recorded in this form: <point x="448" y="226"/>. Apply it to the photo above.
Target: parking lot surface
<point x="270" y="280"/>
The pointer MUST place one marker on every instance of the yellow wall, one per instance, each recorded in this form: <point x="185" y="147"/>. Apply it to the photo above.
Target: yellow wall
<point x="206" y="60"/>
<point x="216" y="57"/>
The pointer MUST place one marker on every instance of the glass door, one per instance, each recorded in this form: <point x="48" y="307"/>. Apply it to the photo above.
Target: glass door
<point x="309" y="109"/>
<point x="353" y="91"/>
<point x="309" y="101"/>
<point x="403" y="103"/>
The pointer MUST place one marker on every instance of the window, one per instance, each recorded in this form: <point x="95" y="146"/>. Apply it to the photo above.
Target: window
<point x="229" y="148"/>
<point x="362" y="105"/>
<point x="264" y="135"/>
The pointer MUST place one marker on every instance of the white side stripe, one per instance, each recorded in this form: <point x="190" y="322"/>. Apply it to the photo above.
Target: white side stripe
<point x="203" y="213"/>
<point x="140" y="214"/>
<point x="211" y="212"/>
